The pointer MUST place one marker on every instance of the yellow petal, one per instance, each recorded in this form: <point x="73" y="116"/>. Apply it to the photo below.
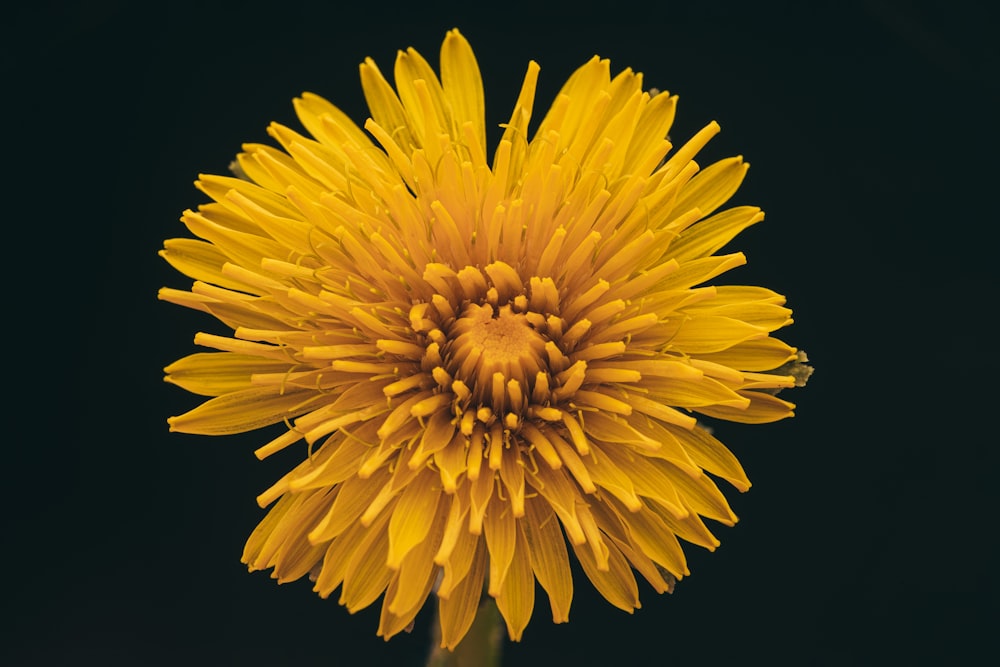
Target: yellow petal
<point x="562" y="496"/>
<point x="451" y="462"/>
<point x="459" y="610"/>
<point x="691" y="528"/>
<point x="572" y="460"/>
<point x="480" y="495"/>
<point x="693" y="393"/>
<point x="645" y="478"/>
<point x="337" y="557"/>
<point x="660" y="411"/>
<point x="609" y="517"/>
<point x="757" y="354"/>
<point x="645" y="566"/>
<point x="385" y="107"/>
<point x="463" y="85"/>
<point x="763" y="408"/>
<point x="217" y="373"/>
<point x="243" y="410"/>
<point x="201" y="261"/>
<point x="353" y="497"/>
<point x="701" y="494"/>
<point x="600" y="400"/>
<point x="698" y="271"/>
<point x="609" y="476"/>
<point x="681" y="161"/>
<point x="517" y="127"/>
<point x="500" y="531"/>
<point x="296" y="556"/>
<point x="454" y="525"/>
<point x="417" y="572"/>
<point x="652" y="536"/>
<point x="312" y="109"/>
<point x="367" y="576"/>
<point x="710" y="454"/>
<point x="706" y="334"/>
<point x="616" y="584"/>
<point x="390" y="624"/>
<point x="413" y="517"/>
<point x="242" y="248"/>
<point x="254" y="554"/>
<point x="512" y="476"/>
<point x="606" y="428"/>
<point x="341" y="463"/>
<point x="584" y="90"/>
<point x="219" y="187"/>
<point x="765" y="314"/>
<point x="595" y="538"/>
<point x="458" y="562"/>
<point x="425" y="108"/>
<point x="653" y="125"/>
<point x="713" y="186"/>
<point x="283" y="172"/>
<point x="516" y="598"/>
<point x="711" y="234"/>
<point x="439" y="431"/>
<point x="549" y="558"/>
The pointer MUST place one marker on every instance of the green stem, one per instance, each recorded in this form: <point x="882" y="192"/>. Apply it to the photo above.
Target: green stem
<point x="481" y="647"/>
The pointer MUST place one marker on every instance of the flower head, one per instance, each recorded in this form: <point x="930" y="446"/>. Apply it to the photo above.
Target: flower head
<point x="494" y="365"/>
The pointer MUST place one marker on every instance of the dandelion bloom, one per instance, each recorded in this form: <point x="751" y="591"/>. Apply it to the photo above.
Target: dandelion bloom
<point x="491" y="363"/>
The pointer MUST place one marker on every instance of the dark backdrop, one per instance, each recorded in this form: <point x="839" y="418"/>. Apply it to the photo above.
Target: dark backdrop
<point x="868" y="535"/>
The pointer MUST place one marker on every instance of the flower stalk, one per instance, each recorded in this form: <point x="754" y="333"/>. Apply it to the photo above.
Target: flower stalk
<point x="481" y="647"/>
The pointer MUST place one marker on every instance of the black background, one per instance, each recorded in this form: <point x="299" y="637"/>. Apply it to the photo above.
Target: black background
<point x="869" y="534"/>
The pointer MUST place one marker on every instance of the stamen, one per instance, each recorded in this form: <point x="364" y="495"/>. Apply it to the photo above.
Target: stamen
<point x="467" y="423"/>
<point x="496" y="446"/>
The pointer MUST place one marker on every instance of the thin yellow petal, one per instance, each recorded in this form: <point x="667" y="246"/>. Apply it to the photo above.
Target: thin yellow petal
<point x="654" y="538"/>
<point x="705" y="450"/>
<point x="763" y="408"/>
<point x="311" y="110"/>
<point x="384" y="104"/>
<point x="412" y="72"/>
<point x="241" y="411"/>
<point x="616" y="584"/>
<point x="516" y="598"/>
<point x="459" y="560"/>
<point x="417" y="572"/>
<point x="694" y="393"/>
<point x="355" y="495"/>
<point x="201" y="261"/>
<point x="501" y="535"/>
<point x="413" y="517"/>
<point x="562" y="495"/>
<point x="652" y="127"/>
<point x="700" y="494"/>
<point x="217" y="373"/>
<point x="608" y="475"/>
<point x="463" y="85"/>
<point x="549" y="558"/>
<point x="756" y="354"/>
<point x="337" y="558"/>
<point x="711" y="333"/>
<point x="713" y="186"/>
<point x="367" y="576"/>
<point x="711" y="234"/>
<point x="459" y="610"/>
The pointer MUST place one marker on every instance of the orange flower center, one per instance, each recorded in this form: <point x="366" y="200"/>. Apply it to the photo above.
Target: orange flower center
<point x="498" y="354"/>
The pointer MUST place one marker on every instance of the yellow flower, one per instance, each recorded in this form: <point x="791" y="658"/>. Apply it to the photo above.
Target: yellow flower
<point x="492" y="364"/>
